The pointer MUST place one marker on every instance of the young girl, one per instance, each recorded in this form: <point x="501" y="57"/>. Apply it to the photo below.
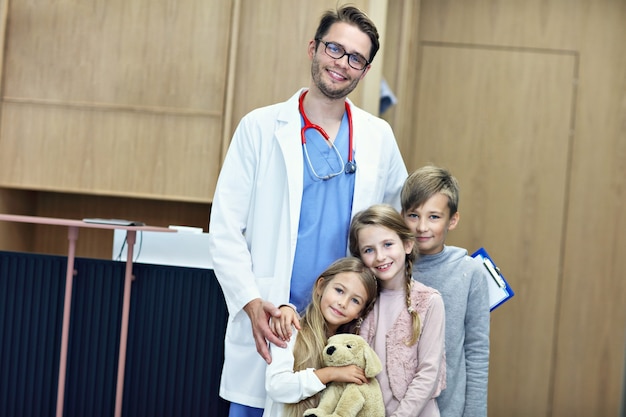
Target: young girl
<point x="406" y="325"/>
<point x="342" y="295"/>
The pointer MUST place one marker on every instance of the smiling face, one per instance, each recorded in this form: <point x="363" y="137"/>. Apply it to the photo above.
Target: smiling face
<point x="382" y="250"/>
<point x="342" y="299"/>
<point x="430" y="223"/>
<point x="334" y="78"/>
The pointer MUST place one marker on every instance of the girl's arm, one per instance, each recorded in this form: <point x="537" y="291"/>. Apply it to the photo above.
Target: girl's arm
<point x="349" y="373"/>
<point x="283" y="384"/>
<point x="430" y="346"/>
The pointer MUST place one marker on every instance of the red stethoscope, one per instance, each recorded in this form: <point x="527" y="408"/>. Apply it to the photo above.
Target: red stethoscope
<point x="350" y="166"/>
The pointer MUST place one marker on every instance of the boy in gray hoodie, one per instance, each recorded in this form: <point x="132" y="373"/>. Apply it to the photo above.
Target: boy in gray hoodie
<point x="430" y="198"/>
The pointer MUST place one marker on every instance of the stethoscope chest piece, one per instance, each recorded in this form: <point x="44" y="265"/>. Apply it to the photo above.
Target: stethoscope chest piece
<point x="350" y="166"/>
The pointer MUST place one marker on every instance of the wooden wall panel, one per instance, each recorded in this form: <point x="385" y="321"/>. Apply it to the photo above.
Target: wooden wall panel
<point x="572" y="349"/>
<point x="164" y="54"/>
<point x="510" y="153"/>
<point x="17" y="236"/>
<point x="400" y="67"/>
<point x="137" y="154"/>
<point x="552" y="24"/>
<point x="589" y="361"/>
<point x="128" y="94"/>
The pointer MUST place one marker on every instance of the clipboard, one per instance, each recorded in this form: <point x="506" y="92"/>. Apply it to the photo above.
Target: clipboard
<point x="499" y="289"/>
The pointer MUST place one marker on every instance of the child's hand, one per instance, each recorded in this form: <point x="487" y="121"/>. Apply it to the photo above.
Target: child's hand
<point x="348" y="373"/>
<point x="282" y="326"/>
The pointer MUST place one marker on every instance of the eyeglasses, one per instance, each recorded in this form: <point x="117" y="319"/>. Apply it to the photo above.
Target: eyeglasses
<point x="336" y="51"/>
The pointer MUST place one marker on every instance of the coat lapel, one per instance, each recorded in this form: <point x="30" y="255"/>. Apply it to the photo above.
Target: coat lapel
<point x="289" y="139"/>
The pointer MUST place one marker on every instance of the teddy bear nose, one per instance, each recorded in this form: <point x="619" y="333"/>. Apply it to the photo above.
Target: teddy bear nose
<point x="330" y="350"/>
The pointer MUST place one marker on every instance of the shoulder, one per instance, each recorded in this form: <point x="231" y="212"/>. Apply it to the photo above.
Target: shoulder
<point x="462" y="261"/>
<point x="421" y="293"/>
<point x="473" y="272"/>
<point x="272" y="110"/>
<point x="455" y="253"/>
<point x="365" y="115"/>
<point x="282" y="110"/>
<point x="420" y="288"/>
<point x="261" y="112"/>
<point x="371" y="120"/>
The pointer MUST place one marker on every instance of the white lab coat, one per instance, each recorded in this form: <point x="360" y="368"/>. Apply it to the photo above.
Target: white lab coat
<point x="255" y="214"/>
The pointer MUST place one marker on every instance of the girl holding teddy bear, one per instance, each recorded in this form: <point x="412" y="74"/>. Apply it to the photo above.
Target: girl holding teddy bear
<point x="343" y="294"/>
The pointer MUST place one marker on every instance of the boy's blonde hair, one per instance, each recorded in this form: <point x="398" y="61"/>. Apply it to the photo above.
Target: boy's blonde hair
<point x="312" y="337"/>
<point x="388" y="217"/>
<point x="425" y="182"/>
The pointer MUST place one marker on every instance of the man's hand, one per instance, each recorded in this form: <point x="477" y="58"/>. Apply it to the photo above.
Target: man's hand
<point x="260" y="312"/>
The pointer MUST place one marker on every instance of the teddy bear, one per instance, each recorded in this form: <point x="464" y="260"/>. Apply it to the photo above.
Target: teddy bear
<point x="342" y="399"/>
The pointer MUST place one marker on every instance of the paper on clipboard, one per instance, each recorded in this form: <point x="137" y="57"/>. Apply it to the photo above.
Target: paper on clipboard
<point x="499" y="289"/>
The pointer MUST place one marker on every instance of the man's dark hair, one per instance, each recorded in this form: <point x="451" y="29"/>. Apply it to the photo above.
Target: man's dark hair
<point x="352" y="16"/>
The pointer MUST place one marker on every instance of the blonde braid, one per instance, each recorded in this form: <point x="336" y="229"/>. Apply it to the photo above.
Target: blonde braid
<point x="415" y="318"/>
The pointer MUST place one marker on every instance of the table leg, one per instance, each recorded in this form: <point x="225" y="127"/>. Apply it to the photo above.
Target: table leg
<point x="72" y="236"/>
<point x="121" y="364"/>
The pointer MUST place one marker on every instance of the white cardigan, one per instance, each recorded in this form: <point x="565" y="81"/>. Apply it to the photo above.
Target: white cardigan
<point x="283" y="385"/>
<point x="255" y="214"/>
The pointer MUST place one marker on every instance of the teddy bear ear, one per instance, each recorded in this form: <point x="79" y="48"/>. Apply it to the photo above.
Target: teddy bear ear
<point x="372" y="362"/>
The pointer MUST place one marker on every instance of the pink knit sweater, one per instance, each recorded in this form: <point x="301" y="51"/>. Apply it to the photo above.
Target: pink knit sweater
<point x="416" y="373"/>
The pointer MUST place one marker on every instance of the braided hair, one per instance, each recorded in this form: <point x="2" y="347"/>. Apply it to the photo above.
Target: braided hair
<point x="386" y="216"/>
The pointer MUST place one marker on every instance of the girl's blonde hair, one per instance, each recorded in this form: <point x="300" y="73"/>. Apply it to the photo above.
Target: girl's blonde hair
<point x="386" y="216"/>
<point x="312" y="337"/>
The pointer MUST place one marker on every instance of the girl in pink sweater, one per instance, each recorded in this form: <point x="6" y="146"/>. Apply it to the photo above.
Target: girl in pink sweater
<point x="406" y="325"/>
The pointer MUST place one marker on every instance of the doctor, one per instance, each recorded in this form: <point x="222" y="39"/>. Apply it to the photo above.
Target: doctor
<point x="293" y="175"/>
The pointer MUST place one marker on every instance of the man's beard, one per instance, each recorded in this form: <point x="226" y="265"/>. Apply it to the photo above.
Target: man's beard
<point x="326" y="89"/>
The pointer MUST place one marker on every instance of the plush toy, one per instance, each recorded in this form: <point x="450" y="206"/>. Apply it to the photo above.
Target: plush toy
<point x="342" y="399"/>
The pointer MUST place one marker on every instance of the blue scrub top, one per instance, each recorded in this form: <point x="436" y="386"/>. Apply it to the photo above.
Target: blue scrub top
<point x="325" y="214"/>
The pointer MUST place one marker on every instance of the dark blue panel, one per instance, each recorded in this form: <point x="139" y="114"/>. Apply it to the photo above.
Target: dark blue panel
<point x="31" y="317"/>
<point x="94" y="338"/>
<point x="175" y="344"/>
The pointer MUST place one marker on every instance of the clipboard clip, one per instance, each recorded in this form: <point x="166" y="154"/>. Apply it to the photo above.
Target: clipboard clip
<point x="494" y="271"/>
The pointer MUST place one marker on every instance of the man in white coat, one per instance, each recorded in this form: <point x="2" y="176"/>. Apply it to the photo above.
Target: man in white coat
<point x="294" y="174"/>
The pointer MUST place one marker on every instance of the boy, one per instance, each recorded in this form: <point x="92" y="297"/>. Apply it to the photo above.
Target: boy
<point x="430" y="199"/>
